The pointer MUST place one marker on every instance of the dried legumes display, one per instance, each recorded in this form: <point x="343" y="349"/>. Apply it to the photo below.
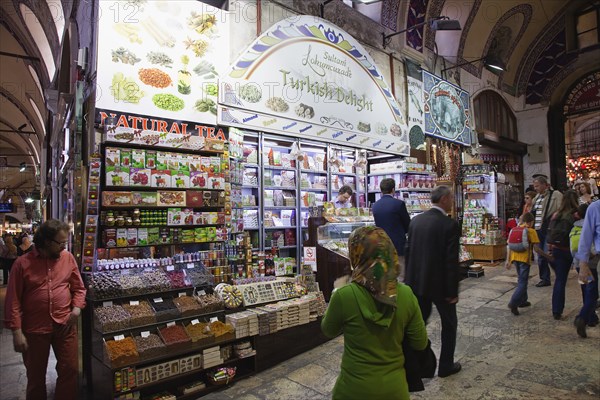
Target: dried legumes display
<point x="149" y="346"/>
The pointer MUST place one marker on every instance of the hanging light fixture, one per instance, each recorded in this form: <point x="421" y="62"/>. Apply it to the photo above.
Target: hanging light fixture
<point x="22" y="166"/>
<point x="29" y="199"/>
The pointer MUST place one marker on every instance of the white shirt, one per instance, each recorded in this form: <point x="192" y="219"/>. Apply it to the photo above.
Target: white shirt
<point x="592" y="183"/>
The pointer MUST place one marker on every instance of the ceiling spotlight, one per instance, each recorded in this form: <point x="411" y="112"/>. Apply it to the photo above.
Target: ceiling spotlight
<point x="22" y="167"/>
<point x="29" y="199"/>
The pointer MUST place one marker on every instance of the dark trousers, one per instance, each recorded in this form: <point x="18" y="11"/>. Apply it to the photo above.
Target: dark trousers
<point x="449" y="327"/>
<point x="561" y="265"/>
<point x="542" y="261"/>
<point x="520" y="295"/>
<point x="63" y="340"/>
<point x="589" y="293"/>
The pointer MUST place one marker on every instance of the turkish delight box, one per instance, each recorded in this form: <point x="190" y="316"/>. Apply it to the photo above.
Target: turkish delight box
<point x="140" y="177"/>
<point x="112" y="157"/>
<point x="125" y="158"/>
<point x="117" y="175"/>
<point x="180" y="179"/>
<point x="162" y="160"/>
<point x="198" y="180"/>
<point x="144" y="198"/>
<point x="138" y="158"/>
<point x="161" y="178"/>
<point x="187" y="216"/>
<point x="194" y="198"/>
<point x="174" y="216"/>
<point x="150" y="159"/>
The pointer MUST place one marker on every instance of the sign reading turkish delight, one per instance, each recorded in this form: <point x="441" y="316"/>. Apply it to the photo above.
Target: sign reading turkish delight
<point x="306" y="77"/>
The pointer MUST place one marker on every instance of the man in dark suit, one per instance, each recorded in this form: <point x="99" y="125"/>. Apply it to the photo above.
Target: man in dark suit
<point x="391" y="215"/>
<point x="432" y="269"/>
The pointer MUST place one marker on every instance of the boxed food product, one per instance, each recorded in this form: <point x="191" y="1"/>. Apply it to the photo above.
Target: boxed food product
<point x="112" y="157"/>
<point x="153" y="235"/>
<point x="144" y="198"/>
<point x="193" y="198"/>
<point x="174" y="216"/>
<point x="138" y="158"/>
<point x="132" y="236"/>
<point x="215" y="181"/>
<point x="161" y="178"/>
<point x="140" y="177"/>
<point x="117" y="175"/>
<point x="162" y="162"/>
<point x="109" y="238"/>
<point x="122" y="237"/>
<point x="142" y="236"/>
<point x="180" y="179"/>
<point x="187" y="216"/>
<point x="215" y="165"/>
<point x="125" y="157"/>
<point x="198" y="179"/>
<point x="150" y="159"/>
<point x="171" y="198"/>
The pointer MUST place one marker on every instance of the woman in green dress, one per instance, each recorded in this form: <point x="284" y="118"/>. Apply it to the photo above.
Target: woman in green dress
<point x="375" y="314"/>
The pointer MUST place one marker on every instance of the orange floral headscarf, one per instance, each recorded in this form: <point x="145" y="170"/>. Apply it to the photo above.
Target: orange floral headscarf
<point x="374" y="263"/>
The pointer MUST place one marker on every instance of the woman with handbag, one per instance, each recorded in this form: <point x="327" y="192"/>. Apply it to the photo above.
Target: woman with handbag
<point x="557" y="242"/>
<point x="376" y="314"/>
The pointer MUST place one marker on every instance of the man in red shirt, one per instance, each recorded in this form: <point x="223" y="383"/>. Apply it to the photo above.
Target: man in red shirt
<point x="44" y="298"/>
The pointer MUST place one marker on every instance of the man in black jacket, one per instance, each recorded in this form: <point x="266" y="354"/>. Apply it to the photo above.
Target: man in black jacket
<point x="432" y="270"/>
<point x="390" y="214"/>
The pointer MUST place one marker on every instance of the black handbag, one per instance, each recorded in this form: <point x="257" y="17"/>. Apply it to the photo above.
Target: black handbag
<point x="418" y="364"/>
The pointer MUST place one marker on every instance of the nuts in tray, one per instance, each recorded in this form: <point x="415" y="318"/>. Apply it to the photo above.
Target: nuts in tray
<point x="105" y="285"/>
<point x="155" y="280"/>
<point x="132" y="284"/>
<point x="210" y="303"/>
<point x="187" y="305"/>
<point x="111" y="318"/>
<point x="174" y="334"/>
<point x="149" y="346"/>
<point x="121" y="351"/>
<point x="141" y="313"/>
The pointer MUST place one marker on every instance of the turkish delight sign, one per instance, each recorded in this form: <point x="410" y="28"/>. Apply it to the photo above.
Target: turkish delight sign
<point x="447" y="110"/>
<point x="307" y="77"/>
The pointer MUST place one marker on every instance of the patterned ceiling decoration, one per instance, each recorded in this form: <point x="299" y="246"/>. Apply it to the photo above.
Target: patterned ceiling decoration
<point x="548" y="69"/>
<point x="537" y="46"/>
<point x="463" y="38"/>
<point x="417" y="11"/>
<point x="389" y="14"/>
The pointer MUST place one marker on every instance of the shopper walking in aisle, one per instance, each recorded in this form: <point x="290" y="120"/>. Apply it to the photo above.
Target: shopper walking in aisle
<point x="545" y="204"/>
<point x="589" y="241"/>
<point x="557" y="242"/>
<point x="375" y="314"/>
<point x="432" y="269"/>
<point x="390" y="214"/>
<point x="343" y="199"/>
<point x="585" y="177"/>
<point x="25" y="246"/>
<point x="585" y="193"/>
<point x="44" y="298"/>
<point x="521" y="259"/>
<point x="9" y="256"/>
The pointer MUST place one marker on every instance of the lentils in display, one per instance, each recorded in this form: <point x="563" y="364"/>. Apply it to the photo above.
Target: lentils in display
<point x="150" y="346"/>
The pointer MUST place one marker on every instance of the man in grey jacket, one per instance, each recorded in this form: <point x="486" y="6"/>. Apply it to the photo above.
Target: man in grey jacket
<point x="545" y="203"/>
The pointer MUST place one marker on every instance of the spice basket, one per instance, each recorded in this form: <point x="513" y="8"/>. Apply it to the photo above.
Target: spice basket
<point x="199" y="340"/>
<point x="187" y="306"/>
<point x="119" y="353"/>
<point x="175" y="337"/>
<point x="150" y="352"/>
<point x="165" y="310"/>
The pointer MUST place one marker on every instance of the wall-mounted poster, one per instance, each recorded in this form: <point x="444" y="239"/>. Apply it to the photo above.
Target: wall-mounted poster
<point x="447" y="110"/>
<point x="161" y="58"/>
<point x="306" y="77"/>
<point x="416" y="119"/>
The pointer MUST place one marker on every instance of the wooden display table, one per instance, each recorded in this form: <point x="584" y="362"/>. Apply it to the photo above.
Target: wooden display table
<point x="484" y="252"/>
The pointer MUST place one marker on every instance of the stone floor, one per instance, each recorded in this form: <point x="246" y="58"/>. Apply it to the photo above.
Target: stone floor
<point x="530" y="356"/>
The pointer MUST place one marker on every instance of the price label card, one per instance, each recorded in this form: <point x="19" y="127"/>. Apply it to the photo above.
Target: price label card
<point x="107" y="303"/>
<point x="195" y="321"/>
<point x="119" y="337"/>
<point x="214" y="319"/>
<point x="145" y="334"/>
<point x="158" y="300"/>
<point x="201" y="293"/>
<point x="134" y="303"/>
<point x="170" y="268"/>
<point x="182" y="294"/>
<point x="190" y="265"/>
<point x="172" y="323"/>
